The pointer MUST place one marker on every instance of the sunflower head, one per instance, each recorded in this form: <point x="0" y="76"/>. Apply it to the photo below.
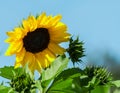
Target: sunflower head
<point x="37" y="41"/>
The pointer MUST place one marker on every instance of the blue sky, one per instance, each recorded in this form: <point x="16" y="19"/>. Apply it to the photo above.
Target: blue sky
<point x="97" y="22"/>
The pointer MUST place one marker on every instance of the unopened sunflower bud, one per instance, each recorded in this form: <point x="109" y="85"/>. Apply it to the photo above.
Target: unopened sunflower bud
<point x="75" y="50"/>
<point x="22" y="82"/>
<point x="100" y="73"/>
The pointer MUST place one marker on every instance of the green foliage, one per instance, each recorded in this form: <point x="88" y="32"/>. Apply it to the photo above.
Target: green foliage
<point x="8" y="72"/>
<point x="21" y="79"/>
<point x="57" y="67"/>
<point x="58" y="78"/>
<point x="64" y="82"/>
<point x="91" y="78"/>
<point x="5" y="89"/>
<point x="101" y="89"/>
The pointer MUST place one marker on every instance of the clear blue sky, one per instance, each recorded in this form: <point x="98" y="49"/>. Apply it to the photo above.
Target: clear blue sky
<point x="96" y="21"/>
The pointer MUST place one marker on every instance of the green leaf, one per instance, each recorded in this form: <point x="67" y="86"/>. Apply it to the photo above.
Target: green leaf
<point x="55" y="69"/>
<point x="69" y="73"/>
<point x="101" y="89"/>
<point x="116" y="83"/>
<point x="64" y="86"/>
<point x="63" y="83"/>
<point x="4" y="89"/>
<point x="7" y="72"/>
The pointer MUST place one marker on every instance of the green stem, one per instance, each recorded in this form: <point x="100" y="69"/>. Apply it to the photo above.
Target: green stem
<point x="44" y="91"/>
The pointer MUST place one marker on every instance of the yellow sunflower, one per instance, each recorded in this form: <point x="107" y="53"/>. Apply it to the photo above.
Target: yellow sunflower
<point x="37" y="41"/>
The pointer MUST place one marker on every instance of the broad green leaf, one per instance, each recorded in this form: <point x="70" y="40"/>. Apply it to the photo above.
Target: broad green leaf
<point x="7" y="72"/>
<point x="116" y="83"/>
<point x="101" y="89"/>
<point x="69" y="73"/>
<point x="56" y="67"/>
<point x="4" y="89"/>
<point x="62" y="86"/>
<point x="63" y="83"/>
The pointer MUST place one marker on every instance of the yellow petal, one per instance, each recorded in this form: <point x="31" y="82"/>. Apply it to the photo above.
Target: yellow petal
<point x="9" y="40"/>
<point x="32" y="62"/>
<point x="25" y="59"/>
<point x="55" y="48"/>
<point x="58" y="37"/>
<point x="14" y="47"/>
<point x="20" y="55"/>
<point x="25" y="25"/>
<point x="17" y="64"/>
<point x="49" y="55"/>
<point x="46" y="61"/>
<point x="10" y="34"/>
<point x="61" y="28"/>
<point x="41" y="19"/>
<point x="18" y="33"/>
<point x="41" y="58"/>
<point x="55" y="20"/>
<point x="30" y="24"/>
<point x="58" y="40"/>
<point x="38" y="66"/>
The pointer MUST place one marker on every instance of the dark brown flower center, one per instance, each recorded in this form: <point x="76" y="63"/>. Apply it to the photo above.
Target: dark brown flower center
<point x="37" y="40"/>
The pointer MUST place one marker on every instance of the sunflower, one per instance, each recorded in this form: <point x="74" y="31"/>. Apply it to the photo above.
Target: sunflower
<point x="37" y="41"/>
